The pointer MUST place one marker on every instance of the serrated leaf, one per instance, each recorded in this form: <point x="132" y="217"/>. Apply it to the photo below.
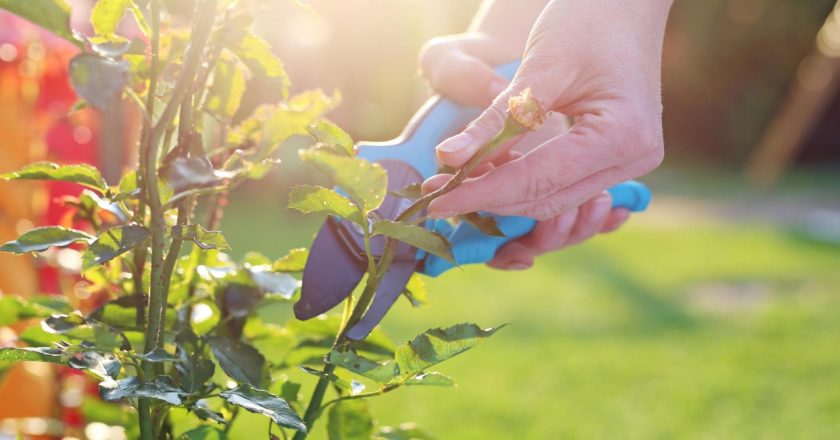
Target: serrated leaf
<point x="484" y="223"/>
<point x="431" y="379"/>
<point x="113" y="243"/>
<point x="61" y="323"/>
<point x="184" y="173"/>
<point x="225" y="94"/>
<point x="412" y="191"/>
<point x="366" y="183"/>
<point x="350" y="420"/>
<point x="329" y="134"/>
<point x="240" y="361"/>
<point x="263" y="402"/>
<point x="162" y="388"/>
<point x="381" y="372"/>
<point x="102" y="365"/>
<point x="41" y="239"/>
<point x="12" y="355"/>
<point x="97" y="79"/>
<point x="158" y="355"/>
<point x="294" y="261"/>
<point x="201" y="237"/>
<point x="416" y="236"/>
<point x="317" y="199"/>
<point x="272" y="283"/>
<point x="437" y="345"/>
<point x="256" y="53"/>
<point x="204" y="412"/>
<point x="80" y="173"/>
<point x="204" y="432"/>
<point x="106" y="15"/>
<point x="52" y="15"/>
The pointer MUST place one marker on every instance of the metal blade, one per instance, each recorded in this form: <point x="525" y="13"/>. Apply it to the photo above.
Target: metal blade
<point x="389" y="290"/>
<point x="331" y="273"/>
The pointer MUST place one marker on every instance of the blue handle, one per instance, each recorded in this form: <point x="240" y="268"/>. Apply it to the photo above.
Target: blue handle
<point x="438" y="119"/>
<point x="469" y="245"/>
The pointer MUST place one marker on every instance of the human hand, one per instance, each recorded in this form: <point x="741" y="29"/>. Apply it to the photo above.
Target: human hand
<point x="598" y="61"/>
<point x="455" y="67"/>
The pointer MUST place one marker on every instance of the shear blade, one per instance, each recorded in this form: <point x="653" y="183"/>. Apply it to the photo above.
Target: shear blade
<point x="389" y="290"/>
<point x="331" y="273"/>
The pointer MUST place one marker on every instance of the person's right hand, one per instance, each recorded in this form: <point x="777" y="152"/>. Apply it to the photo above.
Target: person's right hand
<point x="459" y="68"/>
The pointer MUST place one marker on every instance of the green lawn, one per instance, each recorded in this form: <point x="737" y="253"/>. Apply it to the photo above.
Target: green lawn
<point x="711" y="329"/>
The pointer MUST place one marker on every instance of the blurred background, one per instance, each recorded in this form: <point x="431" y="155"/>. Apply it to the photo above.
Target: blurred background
<point x="716" y="314"/>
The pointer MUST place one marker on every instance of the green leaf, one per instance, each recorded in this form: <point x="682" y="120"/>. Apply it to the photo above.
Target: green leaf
<point x="97" y="79"/>
<point x="431" y="379"/>
<point x="106" y="15"/>
<point x="204" y="432"/>
<point x="366" y="183"/>
<point x="113" y="243"/>
<point x="240" y="361"/>
<point x="331" y="135"/>
<point x="194" y="367"/>
<point x="41" y="239"/>
<point x="101" y="365"/>
<point x="406" y="431"/>
<point x="61" y="323"/>
<point x="271" y="283"/>
<point x="162" y="388"/>
<point x="415" y="290"/>
<point x="263" y="402"/>
<point x="201" y="237"/>
<point x="158" y="355"/>
<point x="416" y="236"/>
<point x="350" y="420"/>
<point x="226" y="92"/>
<point x="412" y="191"/>
<point x="53" y="15"/>
<point x="308" y="199"/>
<point x="325" y="327"/>
<point x="381" y="372"/>
<point x="484" y="223"/>
<point x="81" y="173"/>
<point x="437" y="345"/>
<point x="16" y="308"/>
<point x="294" y="261"/>
<point x="257" y="55"/>
<point x="204" y="412"/>
<point x="194" y="172"/>
<point x="12" y="355"/>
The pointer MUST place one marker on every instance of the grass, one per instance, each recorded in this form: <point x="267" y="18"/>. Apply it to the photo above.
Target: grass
<point x="712" y="329"/>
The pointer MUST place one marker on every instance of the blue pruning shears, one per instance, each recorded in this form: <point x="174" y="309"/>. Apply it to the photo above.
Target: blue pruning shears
<point x="336" y="262"/>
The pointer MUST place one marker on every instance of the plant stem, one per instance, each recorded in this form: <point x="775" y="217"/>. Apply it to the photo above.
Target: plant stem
<point x="144" y="405"/>
<point x="148" y="164"/>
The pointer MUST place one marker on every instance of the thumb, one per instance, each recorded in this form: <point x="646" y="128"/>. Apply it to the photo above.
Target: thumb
<point x="458" y="149"/>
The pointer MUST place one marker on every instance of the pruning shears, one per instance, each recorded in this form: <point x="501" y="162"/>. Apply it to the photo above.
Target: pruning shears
<point x="337" y="260"/>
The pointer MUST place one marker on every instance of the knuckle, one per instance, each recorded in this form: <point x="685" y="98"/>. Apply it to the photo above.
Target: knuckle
<point x="637" y="135"/>
<point x="542" y="210"/>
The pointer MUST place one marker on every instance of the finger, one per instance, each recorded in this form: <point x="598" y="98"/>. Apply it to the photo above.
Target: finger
<point x="617" y="217"/>
<point x="548" y="235"/>
<point x="465" y="79"/>
<point x="592" y="217"/>
<point x="558" y="163"/>
<point x="438" y="180"/>
<point x="457" y="150"/>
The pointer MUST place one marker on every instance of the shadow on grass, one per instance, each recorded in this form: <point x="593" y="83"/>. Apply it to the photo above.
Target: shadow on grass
<point x="655" y="314"/>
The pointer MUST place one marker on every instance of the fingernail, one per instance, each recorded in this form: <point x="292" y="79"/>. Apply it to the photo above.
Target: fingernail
<point x="601" y="207"/>
<point x="497" y="87"/>
<point x="455" y="144"/>
<point x="517" y="265"/>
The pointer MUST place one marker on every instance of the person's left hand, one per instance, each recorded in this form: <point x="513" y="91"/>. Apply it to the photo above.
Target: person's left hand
<point x="458" y="68"/>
